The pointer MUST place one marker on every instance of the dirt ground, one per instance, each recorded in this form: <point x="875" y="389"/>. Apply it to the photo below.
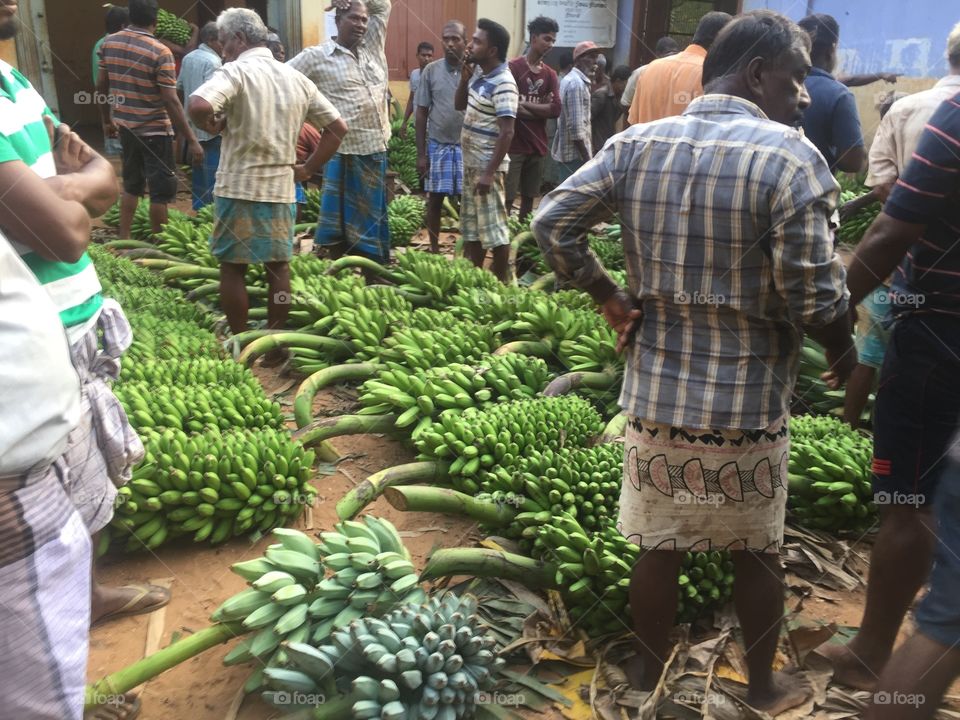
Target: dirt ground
<point x="202" y="688"/>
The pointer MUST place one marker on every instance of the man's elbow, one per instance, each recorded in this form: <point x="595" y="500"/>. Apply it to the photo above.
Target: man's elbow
<point x="853" y="160"/>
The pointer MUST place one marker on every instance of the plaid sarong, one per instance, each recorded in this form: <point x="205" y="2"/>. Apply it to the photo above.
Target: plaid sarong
<point x="446" y="168"/>
<point x="698" y="490"/>
<point x="44" y="597"/>
<point x="353" y="208"/>
<point x="483" y="218"/>
<point x="246" y="232"/>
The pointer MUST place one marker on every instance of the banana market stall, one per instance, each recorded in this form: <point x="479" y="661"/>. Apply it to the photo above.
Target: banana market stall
<point x="503" y="400"/>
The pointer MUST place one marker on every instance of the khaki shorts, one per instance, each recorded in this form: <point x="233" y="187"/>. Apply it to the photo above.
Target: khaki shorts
<point x="525" y="176"/>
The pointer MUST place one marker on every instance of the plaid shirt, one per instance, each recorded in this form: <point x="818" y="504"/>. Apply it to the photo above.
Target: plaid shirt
<point x="356" y="83"/>
<point x="574" y="122"/>
<point x="725" y="228"/>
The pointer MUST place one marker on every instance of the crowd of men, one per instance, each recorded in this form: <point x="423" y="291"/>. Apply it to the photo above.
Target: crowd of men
<point x="723" y="181"/>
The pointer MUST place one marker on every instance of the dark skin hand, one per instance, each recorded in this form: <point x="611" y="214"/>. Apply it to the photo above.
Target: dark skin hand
<point x="623" y="316"/>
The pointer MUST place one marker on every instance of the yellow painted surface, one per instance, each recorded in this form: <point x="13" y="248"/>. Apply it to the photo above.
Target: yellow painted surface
<point x="8" y="52"/>
<point x="869" y="96"/>
<point x="311" y="23"/>
<point x="508" y="13"/>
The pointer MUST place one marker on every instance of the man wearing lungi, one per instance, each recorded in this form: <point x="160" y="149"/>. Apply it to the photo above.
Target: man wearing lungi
<point x="259" y="105"/>
<point x="351" y="70"/>
<point x="725" y="212"/>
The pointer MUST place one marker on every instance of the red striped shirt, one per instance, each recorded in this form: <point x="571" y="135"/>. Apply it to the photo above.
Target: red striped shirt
<point x="138" y="65"/>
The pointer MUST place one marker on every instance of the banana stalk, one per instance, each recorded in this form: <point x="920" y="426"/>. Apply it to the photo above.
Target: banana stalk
<point x="151" y="253"/>
<point x="480" y="562"/>
<point x="451" y="210"/>
<point x="335" y="348"/>
<point x="331" y="427"/>
<point x="304" y="228"/>
<point x="149" y="667"/>
<point x="190" y="272"/>
<point x="213" y="288"/>
<point x="544" y="282"/>
<point x="616" y="428"/>
<point x="540" y="348"/>
<point x="333" y="375"/>
<point x="371" y="488"/>
<point x="357" y="261"/>
<point x="425" y="498"/>
<point x="153" y="264"/>
<point x="566" y="384"/>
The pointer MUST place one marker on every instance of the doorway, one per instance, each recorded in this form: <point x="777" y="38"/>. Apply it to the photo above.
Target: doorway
<point x="654" y="19"/>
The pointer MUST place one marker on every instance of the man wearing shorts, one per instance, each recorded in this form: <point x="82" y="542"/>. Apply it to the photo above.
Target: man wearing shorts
<point x="439" y="125"/>
<point x="488" y="94"/>
<point x="918" y="400"/>
<point x="264" y="103"/>
<point x="539" y="91"/>
<point x="138" y="70"/>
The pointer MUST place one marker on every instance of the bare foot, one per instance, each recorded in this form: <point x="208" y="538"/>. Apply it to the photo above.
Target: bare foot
<point x="639" y="678"/>
<point x="786" y="692"/>
<point x="848" y="669"/>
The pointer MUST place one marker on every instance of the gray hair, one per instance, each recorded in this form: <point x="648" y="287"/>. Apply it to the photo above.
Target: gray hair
<point x="243" y="22"/>
<point x="208" y="33"/>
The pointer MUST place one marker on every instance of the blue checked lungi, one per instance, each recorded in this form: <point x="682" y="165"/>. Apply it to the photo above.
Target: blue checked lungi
<point x="247" y="232"/>
<point x="205" y="175"/>
<point x="446" y="168"/>
<point x="353" y="208"/>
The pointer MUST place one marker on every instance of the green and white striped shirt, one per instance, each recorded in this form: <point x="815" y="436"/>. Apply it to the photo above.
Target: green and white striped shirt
<point x="73" y="287"/>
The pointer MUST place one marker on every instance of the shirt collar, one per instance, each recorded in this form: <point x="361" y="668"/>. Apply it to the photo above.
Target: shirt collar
<point x="948" y="81"/>
<point x="579" y="73"/>
<point x="331" y="46"/>
<point x="207" y="48"/>
<point x="503" y="67"/>
<point x="724" y="104"/>
<point x="696" y="50"/>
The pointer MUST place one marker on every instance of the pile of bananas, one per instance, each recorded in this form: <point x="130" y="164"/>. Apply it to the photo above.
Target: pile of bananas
<point x="582" y="482"/>
<point x="420" y="662"/>
<point x="172" y="28"/>
<point x="492" y="306"/>
<point x="158" y="302"/>
<point x="593" y="350"/>
<point x="813" y="395"/>
<point x="212" y="484"/>
<point x="405" y="215"/>
<point x="201" y="371"/>
<point x="706" y="582"/>
<point x="196" y="407"/>
<point x="311" y="210"/>
<point x="402" y="156"/>
<point x="301" y="591"/>
<point x="477" y="440"/>
<point x="852" y="230"/>
<point x="364" y="327"/>
<point x="829" y="478"/>
<point x="185" y="239"/>
<point x="437" y="277"/>
<point x="423" y="395"/>
<point x="425" y="349"/>
<point x="118" y="273"/>
<point x="156" y="339"/>
<point x="551" y="323"/>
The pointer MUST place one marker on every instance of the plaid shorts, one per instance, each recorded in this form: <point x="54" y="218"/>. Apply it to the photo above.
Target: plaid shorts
<point x="247" y="232"/>
<point x="483" y="218"/>
<point x="446" y="169"/>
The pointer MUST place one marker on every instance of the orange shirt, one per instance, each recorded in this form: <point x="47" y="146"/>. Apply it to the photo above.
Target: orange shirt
<point x="668" y="85"/>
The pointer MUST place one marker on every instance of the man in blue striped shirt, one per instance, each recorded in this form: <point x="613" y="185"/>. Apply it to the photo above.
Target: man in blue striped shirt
<point x="725" y="212"/>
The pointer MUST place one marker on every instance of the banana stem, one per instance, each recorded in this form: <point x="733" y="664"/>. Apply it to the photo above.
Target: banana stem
<point x="303" y="402"/>
<point x="357" y="261"/>
<point x="616" y="428"/>
<point x="326" y="428"/>
<point x="481" y="562"/>
<point x="153" y="264"/>
<point x="334" y="348"/>
<point x="425" y="498"/>
<point x="149" y="667"/>
<point x="566" y="384"/>
<point x="371" y="488"/>
<point x="152" y="253"/>
<point x="190" y="272"/>
<point x="129" y="245"/>
<point x="544" y="282"/>
<point x="451" y="210"/>
<point x="537" y="348"/>
<point x="213" y="288"/>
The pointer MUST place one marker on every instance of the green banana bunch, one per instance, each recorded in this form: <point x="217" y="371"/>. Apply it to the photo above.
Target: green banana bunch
<point x="437" y="277"/>
<point x="161" y="303"/>
<point x="302" y="591"/>
<point x="119" y="273"/>
<point x="550" y="322"/>
<point x="852" y="230"/>
<point x="185" y="239"/>
<point x="423" y="661"/>
<point x="365" y="327"/>
<point x="159" y="339"/>
<point x="402" y="156"/>
<point x="582" y="482"/>
<point x="593" y="350"/>
<point x="813" y="395"/>
<point x="214" y="485"/>
<point x="496" y="306"/>
<point x="198" y="371"/>
<point x="405" y="216"/>
<point x="172" y="28"/>
<point x="204" y="215"/>
<point x="425" y="349"/>
<point x="706" y="582"/>
<point x="478" y="441"/>
<point x="829" y="475"/>
<point x="311" y="210"/>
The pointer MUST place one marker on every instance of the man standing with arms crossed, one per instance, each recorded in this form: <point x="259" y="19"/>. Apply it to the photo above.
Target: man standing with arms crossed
<point x="488" y="94"/>
<point x="439" y="124"/>
<point x="539" y="91"/>
<point x="351" y="72"/>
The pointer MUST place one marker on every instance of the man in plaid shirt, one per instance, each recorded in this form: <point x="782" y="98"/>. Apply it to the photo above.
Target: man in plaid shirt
<point x="725" y="212"/>
<point x="572" y="143"/>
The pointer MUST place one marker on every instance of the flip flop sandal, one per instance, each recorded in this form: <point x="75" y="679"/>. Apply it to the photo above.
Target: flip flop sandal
<point x="109" y="712"/>
<point x="131" y="608"/>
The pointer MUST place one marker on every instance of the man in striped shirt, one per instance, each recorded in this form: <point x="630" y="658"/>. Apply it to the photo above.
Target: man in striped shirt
<point x="572" y="145"/>
<point x="488" y="94"/>
<point x="725" y="214"/>
<point x="917" y="412"/>
<point x="137" y="73"/>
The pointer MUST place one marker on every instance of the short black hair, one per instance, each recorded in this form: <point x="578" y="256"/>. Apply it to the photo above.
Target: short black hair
<point x="497" y="35"/>
<point x="117" y="17"/>
<point x="340" y="13"/>
<point x="765" y="34"/>
<point x="824" y="31"/>
<point x="566" y="60"/>
<point x="621" y="72"/>
<point x="143" y="13"/>
<point x="665" y="45"/>
<point x="709" y="27"/>
<point x="541" y="25"/>
<point x="424" y="46"/>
